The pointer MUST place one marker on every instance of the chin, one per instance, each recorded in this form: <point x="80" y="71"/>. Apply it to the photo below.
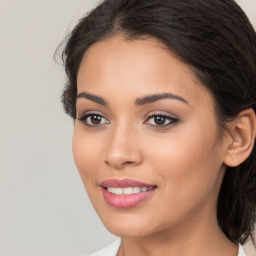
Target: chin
<point x="128" y="232"/>
<point x="134" y="226"/>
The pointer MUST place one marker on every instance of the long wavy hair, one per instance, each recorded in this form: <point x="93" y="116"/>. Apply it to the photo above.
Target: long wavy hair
<point x="214" y="38"/>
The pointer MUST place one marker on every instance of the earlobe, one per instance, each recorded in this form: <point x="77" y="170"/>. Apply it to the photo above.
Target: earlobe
<point x="243" y="134"/>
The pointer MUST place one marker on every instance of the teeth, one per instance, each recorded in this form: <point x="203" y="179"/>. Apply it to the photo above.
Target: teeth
<point x="118" y="191"/>
<point x="135" y="190"/>
<point x="127" y="191"/>
<point x="144" y="189"/>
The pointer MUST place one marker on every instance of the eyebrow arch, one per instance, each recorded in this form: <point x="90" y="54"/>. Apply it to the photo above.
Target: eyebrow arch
<point x="92" y="97"/>
<point x="155" y="97"/>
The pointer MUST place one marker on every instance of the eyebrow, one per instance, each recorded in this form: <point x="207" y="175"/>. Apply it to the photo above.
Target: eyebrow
<point x="140" y="101"/>
<point x="92" y="97"/>
<point x="155" y="97"/>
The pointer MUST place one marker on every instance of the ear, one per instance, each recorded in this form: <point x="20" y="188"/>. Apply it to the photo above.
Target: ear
<point x="243" y="133"/>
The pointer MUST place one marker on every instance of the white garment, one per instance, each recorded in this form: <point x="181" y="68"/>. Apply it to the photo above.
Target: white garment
<point x="111" y="250"/>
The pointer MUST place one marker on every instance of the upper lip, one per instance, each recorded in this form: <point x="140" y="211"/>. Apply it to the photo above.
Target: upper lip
<point x="124" y="183"/>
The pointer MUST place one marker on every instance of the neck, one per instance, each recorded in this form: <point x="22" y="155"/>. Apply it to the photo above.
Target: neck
<point x="187" y="239"/>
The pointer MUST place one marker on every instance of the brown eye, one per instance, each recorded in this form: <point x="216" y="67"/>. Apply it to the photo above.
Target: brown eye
<point x="95" y="119"/>
<point x="159" y="120"/>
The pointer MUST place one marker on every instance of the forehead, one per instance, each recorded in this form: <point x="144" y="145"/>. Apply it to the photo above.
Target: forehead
<point x="136" y="67"/>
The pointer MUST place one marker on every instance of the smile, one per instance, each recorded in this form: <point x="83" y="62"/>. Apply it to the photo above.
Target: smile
<point x="126" y="193"/>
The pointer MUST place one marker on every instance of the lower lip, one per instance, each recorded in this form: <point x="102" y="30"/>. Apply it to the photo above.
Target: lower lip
<point x="126" y="201"/>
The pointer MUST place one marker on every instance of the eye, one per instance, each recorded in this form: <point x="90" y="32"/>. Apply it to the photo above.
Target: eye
<point x="161" y="120"/>
<point x="93" y="120"/>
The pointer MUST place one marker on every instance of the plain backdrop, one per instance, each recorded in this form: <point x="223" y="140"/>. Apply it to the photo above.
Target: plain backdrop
<point x="44" y="209"/>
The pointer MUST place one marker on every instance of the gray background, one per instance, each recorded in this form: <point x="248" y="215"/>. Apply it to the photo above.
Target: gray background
<point x="44" y="209"/>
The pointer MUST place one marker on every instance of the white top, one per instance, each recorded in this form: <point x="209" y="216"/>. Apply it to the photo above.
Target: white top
<point x="111" y="250"/>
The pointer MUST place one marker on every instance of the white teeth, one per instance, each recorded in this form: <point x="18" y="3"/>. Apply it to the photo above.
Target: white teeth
<point x="135" y="190"/>
<point x="128" y="191"/>
<point x="144" y="189"/>
<point x="119" y="191"/>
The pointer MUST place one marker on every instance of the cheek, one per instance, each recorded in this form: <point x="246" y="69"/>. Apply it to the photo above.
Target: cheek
<point x="184" y="148"/>
<point x="86" y="155"/>
<point x="188" y="163"/>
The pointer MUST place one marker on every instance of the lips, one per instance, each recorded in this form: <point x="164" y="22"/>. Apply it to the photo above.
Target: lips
<point x="126" y="193"/>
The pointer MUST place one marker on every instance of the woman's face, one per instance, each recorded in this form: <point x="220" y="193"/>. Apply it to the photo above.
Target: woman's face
<point x="148" y="132"/>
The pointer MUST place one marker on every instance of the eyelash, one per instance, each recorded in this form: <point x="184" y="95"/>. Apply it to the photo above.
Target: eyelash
<point x="84" y="118"/>
<point x="172" y="120"/>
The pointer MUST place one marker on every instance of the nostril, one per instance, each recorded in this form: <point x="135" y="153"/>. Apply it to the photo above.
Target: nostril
<point x="120" y="158"/>
<point x="119" y="165"/>
<point x="128" y="162"/>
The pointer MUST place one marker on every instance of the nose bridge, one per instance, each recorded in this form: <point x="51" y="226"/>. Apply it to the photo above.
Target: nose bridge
<point x="122" y="148"/>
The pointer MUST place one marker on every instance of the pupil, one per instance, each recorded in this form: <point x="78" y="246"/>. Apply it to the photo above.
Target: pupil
<point x="96" y="119"/>
<point x="159" y="120"/>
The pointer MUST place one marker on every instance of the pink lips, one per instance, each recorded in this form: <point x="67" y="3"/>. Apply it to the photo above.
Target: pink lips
<point x="125" y="201"/>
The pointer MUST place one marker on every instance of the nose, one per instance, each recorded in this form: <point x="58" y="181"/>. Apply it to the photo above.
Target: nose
<point x="123" y="148"/>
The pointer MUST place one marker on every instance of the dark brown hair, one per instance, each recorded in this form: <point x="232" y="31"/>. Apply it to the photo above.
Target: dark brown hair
<point x="213" y="37"/>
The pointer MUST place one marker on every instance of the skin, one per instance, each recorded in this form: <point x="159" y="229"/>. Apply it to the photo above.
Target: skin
<point x="185" y="159"/>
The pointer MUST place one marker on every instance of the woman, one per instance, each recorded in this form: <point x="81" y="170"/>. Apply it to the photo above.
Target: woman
<point x="163" y="94"/>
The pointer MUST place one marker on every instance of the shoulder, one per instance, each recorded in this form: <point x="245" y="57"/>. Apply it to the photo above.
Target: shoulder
<point x="110" y="250"/>
<point x="241" y="251"/>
